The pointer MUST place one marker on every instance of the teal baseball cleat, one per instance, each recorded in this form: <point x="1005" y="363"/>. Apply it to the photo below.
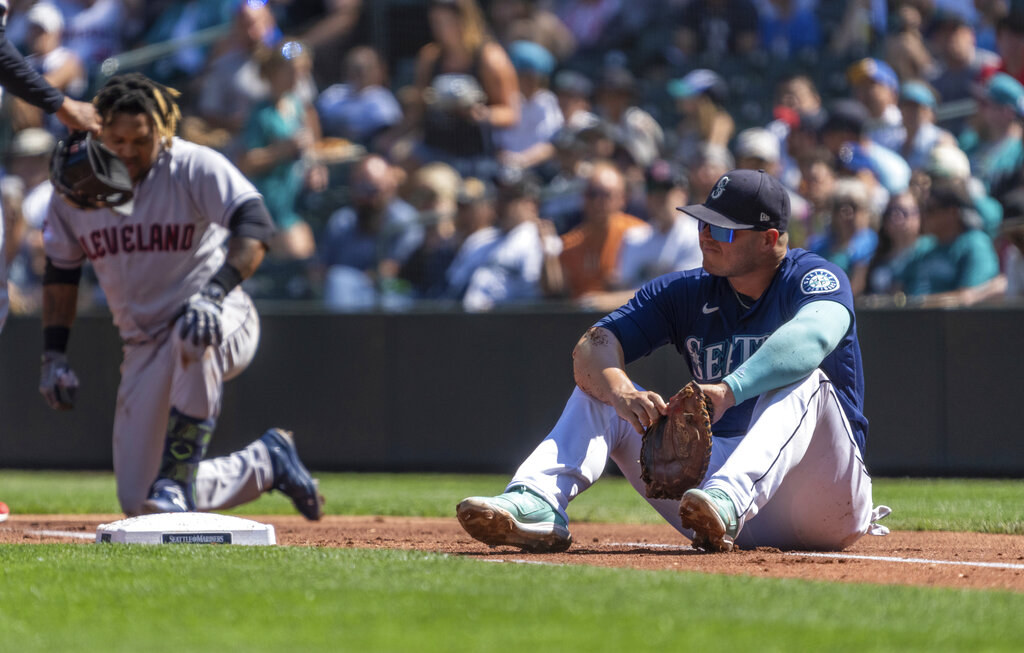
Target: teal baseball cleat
<point x="711" y="516"/>
<point x="517" y="518"/>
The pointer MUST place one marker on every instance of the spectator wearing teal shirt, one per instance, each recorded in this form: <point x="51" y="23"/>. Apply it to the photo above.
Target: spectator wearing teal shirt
<point x="899" y="239"/>
<point x="957" y="261"/>
<point x="993" y="145"/>
<point x="279" y="140"/>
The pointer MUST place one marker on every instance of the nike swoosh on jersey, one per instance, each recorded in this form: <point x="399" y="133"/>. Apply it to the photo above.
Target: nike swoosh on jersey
<point x="708" y="310"/>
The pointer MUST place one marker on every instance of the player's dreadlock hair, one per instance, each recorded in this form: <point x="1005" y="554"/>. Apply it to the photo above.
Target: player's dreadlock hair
<point x="134" y="93"/>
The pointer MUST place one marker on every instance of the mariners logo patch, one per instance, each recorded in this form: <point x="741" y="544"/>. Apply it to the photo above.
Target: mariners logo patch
<point x="819" y="281"/>
<point x="719" y="188"/>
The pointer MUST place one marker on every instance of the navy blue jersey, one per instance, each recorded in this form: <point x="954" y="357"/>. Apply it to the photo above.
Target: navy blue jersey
<point x="701" y="316"/>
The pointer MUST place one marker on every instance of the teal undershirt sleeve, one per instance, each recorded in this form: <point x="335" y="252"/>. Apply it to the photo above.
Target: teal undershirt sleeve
<point x="793" y="351"/>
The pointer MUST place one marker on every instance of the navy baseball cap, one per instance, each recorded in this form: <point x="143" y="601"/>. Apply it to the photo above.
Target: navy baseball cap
<point x="744" y="199"/>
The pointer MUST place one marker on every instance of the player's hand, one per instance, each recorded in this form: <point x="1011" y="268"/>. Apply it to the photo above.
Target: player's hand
<point x="639" y="407"/>
<point x="720" y="395"/>
<point x="57" y="381"/>
<point x="79" y="116"/>
<point x="201" y="327"/>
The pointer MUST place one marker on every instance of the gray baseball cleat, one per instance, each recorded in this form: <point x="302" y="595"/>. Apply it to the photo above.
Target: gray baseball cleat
<point x="291" y="477"/>
<point x="167" y="496"/>
<point x="711" y="515"/>
<point x="517" y="518"/>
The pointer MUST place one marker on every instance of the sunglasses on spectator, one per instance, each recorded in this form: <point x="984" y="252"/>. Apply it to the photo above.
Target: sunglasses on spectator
<point x="721" y="234"/>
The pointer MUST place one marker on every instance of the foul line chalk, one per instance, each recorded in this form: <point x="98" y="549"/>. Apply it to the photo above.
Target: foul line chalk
<point x="919" y="561"/>
<point x="520" y="561"/>
<point x="847" y="556"/>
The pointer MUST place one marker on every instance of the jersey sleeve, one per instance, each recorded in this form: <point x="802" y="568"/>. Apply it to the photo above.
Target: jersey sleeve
<point x="21" y="80"/>
<point x="59" y="241"/>
<point x="216" y="185"/>
<point x="656" y="315"/>
<point x="817" y="280"/>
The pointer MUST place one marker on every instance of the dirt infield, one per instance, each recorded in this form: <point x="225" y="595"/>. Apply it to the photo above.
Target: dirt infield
<point x="961" y="560"/>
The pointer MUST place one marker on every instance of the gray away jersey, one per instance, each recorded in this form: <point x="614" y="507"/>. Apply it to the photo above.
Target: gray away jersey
<point x="151" y="261"/>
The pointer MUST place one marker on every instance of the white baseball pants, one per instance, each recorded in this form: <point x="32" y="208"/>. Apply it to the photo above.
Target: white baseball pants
<point x="797" y="477"/>
<point x="155" y="377"/>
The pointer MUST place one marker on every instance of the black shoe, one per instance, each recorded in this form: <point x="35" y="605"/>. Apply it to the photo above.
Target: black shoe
<point x="291" y="477"/>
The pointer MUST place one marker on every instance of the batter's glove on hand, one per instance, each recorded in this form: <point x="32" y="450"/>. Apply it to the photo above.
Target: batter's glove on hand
<point x="201" y="326"/>
<point x="57" y="381"/>
<point x="676" y="448"/>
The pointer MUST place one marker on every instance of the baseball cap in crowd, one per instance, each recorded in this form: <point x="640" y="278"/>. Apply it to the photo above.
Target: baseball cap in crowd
<point x="697" y="82"/>
<point x="950" y="17"/>
<point x="744" y="199"/>
<point x="948" y="161"/>
<point x="573" y="83"/>
<point x="663" y="174"/>
<point x="758" y="143"/>
<point x="618" y="78"/>
<point x="872" y="70"/>
<point x="1007" y="91"/>
<point x="531" y="57"/>
<point x="46" y="17"/>
<point x="846" y="115"/>
<point x="918" y="93"/>
<point x="514" y="183"/>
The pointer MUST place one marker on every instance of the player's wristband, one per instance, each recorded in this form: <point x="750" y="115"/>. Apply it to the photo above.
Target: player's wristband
<point x="55" y="338"/>
<point x="227" y="277"/>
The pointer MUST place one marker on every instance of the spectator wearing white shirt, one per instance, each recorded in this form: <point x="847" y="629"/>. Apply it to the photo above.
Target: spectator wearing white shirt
<point x="475" y="229"/>
<point x="671" y="241"/>
<point x="528" y="144"/>
<point x="515" y="262"/>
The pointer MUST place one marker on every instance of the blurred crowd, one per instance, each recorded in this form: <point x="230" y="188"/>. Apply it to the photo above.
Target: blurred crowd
<point x="477" y="154"/>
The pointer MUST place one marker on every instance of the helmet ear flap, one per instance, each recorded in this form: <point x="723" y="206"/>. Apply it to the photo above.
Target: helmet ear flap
<point x="87" y="174"/>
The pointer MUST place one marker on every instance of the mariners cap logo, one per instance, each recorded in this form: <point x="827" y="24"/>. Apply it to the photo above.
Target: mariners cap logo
<point x="719" y="188"/>
<point x="819" y="281"/>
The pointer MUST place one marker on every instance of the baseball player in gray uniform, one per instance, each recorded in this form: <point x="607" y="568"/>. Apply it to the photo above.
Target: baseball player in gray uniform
<point x="174" y="292"/>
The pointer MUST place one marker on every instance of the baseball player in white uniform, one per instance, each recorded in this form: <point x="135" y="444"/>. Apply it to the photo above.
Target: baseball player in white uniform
<point x="174" y="292"/>
<point x="770" y="335"/>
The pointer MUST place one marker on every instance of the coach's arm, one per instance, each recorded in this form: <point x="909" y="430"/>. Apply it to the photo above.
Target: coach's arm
<point x="599" y="369"/>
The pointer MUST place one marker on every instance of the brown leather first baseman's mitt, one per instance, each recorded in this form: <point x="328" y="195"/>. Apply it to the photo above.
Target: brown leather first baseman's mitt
<point x="676" y="448"/>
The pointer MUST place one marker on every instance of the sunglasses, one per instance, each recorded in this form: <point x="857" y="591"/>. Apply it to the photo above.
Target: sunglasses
<point x="721" y="234"/>
<point x="596" y="193"/>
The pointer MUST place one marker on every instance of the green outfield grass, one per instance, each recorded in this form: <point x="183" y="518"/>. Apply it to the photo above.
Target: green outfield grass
<point x="985" y="506"/>
<point x="84" y="597"/>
